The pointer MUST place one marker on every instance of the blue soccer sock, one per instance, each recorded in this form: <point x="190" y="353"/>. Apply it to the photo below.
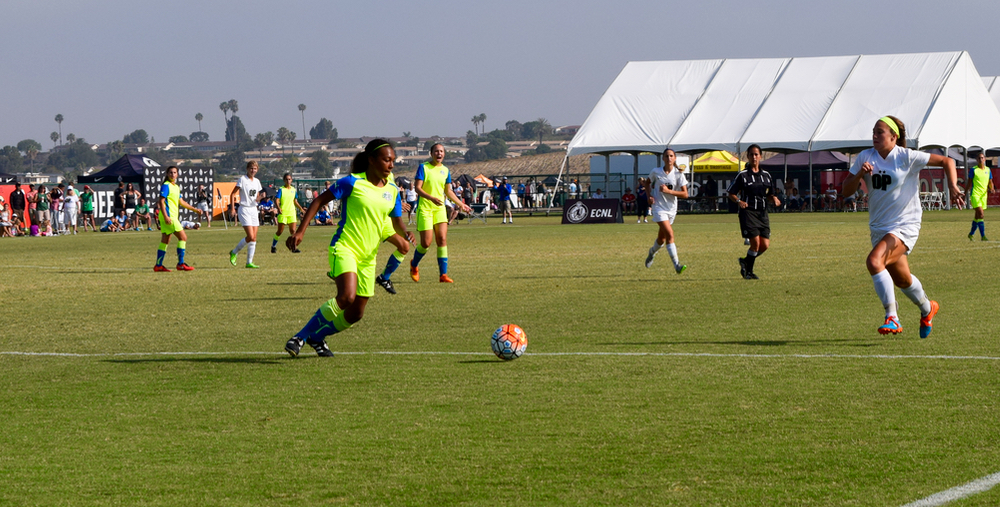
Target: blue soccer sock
<point x="322" y="323"/>
<point x="181" y="248"/>
<point x="443" y="259"/>
<point x="161" y="253"/>
<point x="417" y="256"/>
<point x="975" y="227"/>
<point x="982" y="228"/>
<point x="274" y="242"/>
<point x="394" y="261"/>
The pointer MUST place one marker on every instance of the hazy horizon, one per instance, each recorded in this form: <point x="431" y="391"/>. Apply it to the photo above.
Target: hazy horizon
<point x="423" y="67"/>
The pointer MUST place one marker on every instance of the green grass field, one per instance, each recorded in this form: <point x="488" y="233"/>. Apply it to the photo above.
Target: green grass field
<point x="639" y="386"/>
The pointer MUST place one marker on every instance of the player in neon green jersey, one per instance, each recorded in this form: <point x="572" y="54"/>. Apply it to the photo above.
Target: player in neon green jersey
<point x="433" y="184"/>
<point x="977" y="185"/>
<point x="170" y="203"/>
<point x="367" y="203"/>
<point x="286" y="211"/>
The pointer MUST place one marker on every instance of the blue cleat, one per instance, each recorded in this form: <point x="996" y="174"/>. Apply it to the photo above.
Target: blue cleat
<point x="925" y="321"/>
<point x="891" y="326"/>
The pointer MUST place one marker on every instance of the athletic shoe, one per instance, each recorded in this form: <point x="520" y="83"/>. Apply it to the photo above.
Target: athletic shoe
<point x="386" y="284"/>
<point x="983" y="239"/>
<point x="970" y="237"/>
<point x="322" y="350"/>
<point x="251" y="265"/>
<point x="160" y="269"/>
<point x="296" y="251"/>
<point x="148" y="229"/>
<point x="680" y="269"/>
<point x="925" y="321"/>
<point x="649" y="258"/>
<point x="274" y="249"/>
<point x="751" y="276"/>
<point x="446" y="279"/>
<point x="891" y="326"/>
<point x="293" y="346"/>
<point x="184" y="267"/>
<point x="232" y="258"/>
<point x="743" y="267"/>
<point x="415" y="273"/>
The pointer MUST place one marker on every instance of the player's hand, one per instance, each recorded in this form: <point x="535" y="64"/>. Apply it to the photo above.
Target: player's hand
<point x="867" y="168"/>
<point x="168" y="220"/>
<point x="957" y="196"/>
<point x="436" y="201"/>
<point x="466" y="208"/>
<point x="411" y="238"/>
<point x="743" y="204"/>
<point x="664" y="189"/>
<point x="293" y="242"/>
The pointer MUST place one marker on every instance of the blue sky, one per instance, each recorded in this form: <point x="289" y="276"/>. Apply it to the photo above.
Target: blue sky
<point x="114" y="66"/>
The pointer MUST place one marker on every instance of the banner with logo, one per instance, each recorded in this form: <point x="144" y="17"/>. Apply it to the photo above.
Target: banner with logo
<point x="188" y="178"/>
<point x="592" y="211"/>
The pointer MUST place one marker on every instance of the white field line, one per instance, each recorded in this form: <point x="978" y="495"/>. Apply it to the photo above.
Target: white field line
<point x="958" y="492"/>
<point x="442" y="353"/>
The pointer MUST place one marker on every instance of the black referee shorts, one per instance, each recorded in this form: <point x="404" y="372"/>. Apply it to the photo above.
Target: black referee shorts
<point x="755" y="223"/>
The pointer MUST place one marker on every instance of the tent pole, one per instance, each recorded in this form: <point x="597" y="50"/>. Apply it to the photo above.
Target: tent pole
<point x="635" y="169"/>
<point x="564" y="165"/>
<point x="607" y="170"/>
<point x="812" y="197"/>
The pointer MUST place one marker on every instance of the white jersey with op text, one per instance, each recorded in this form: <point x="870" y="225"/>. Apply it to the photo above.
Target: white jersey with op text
<point x="249" y="190"/>
<point x="893" y="187"/>
<point x="674" y="180"/>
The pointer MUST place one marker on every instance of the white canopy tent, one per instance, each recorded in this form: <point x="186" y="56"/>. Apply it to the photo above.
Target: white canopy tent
<point x="992" y="84"/>
<point x="791" y="104"/>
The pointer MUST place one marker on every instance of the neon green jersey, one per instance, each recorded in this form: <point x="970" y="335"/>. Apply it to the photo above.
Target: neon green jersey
<point x="365" y="211"/>
<point x="434" y="178"/>
<point x="171" y="193"/>
<point x="286" y="201"/>
<point x="980" y="177"/>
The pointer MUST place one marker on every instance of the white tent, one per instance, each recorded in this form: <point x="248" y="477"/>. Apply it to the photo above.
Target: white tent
<point x="796" y="104"/>
<point x="993" y="86"/>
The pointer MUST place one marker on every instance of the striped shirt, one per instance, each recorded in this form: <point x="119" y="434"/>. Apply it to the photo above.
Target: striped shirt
<point x="753" y="188"/>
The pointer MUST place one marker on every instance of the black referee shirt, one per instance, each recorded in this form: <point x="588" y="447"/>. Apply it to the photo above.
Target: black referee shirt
<point x="753" y="188"/>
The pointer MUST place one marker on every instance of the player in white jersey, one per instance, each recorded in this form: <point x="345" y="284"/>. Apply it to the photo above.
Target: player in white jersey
<point x="891" y="172"/>
<point x="664" y="186"/>
<point x="249" y="189"/>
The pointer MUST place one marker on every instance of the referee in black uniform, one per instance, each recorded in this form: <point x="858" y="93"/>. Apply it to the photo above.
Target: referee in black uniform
<point x="751" y="189"/>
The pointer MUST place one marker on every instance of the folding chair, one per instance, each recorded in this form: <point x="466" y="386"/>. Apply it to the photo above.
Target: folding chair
<point x="479" y="212"/>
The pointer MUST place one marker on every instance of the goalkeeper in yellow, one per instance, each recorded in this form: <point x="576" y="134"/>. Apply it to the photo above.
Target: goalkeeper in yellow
<point x="367" y="203"/>
<point x="979" y="182"/>
<point x="287" y="204"/>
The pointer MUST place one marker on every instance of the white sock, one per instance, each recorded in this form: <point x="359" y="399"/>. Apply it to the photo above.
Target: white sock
<point x="916" y="294"/>
<point x="656" y="247"/>
<point x="886" y="292"/>
<point x="251" y="247"/>
<point x="672" y="250"/>
<point x="240" y="245"/>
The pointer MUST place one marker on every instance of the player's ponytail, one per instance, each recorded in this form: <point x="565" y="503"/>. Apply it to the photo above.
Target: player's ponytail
<point x="901" y="140"/>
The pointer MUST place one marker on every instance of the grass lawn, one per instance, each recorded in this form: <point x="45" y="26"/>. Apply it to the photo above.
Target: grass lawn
<point x="120" y="386"/>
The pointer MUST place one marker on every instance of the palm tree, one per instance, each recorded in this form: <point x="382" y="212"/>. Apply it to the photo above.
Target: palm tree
<point x="54" y="137"/>
<point x="475" y="123"/>
<point x="282" y="138"/>
<point x="32" y="153"/>
<point x="482" y="121"/>
<point x="198" y="117"/>
<point x="234" y="106"/>
<point x="225" y="108"/>
<point x="302" y="109"/>
<point x="544" y="127"/>
<point x="59" y="120"/>
<point x="71" y="138"/>
<point x="259" y="142"/>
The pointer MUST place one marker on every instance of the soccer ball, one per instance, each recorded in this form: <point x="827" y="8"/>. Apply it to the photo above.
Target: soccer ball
<point x="509" y="342"/>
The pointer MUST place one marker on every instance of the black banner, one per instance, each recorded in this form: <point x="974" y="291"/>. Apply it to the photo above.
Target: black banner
<point x="188" y="178"/>
<point x="592" y="211"/>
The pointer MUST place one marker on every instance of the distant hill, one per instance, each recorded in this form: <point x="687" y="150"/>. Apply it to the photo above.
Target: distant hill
<point x="518" y="166"/>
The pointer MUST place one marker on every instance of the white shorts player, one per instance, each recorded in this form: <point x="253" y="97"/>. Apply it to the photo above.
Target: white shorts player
<point x="894" y="193"/>
<point x="249" y="191"/>
<point x="664" y="207"/>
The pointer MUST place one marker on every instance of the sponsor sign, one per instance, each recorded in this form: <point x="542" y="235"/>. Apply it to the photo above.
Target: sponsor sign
<point x="188" y="178"/>
<point x="592" y="211"/>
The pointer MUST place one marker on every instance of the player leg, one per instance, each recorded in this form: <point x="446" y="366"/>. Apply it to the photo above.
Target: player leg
<point x="900" y="272"/>
<point x="425" y="228"/>
<point x="277" y="236"/>
<point x="441" y="238"/>
<point x="885" y="254"/>
<point x="402" y="248"/>
<point x="181" y="250"/>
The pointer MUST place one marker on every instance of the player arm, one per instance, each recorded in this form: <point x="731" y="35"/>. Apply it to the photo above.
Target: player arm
<point x="418" y="185"/>
<point x="314" y="207"/>
<point x="682" y="193"/>
<point x="949" y="169"/>
<point x="989" y="183"/>
<point x="454" y="198"/>
<point x="185" y="205"/>
<point x="853" y="180"/>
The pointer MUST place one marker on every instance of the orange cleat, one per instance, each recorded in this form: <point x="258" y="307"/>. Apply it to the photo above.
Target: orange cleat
<point x="184" y="267"/>
<point x="446" y="279"/>
<point x="415" y="273"/>
<point x="160" y="269"/>
<point x="926" y="321"/>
